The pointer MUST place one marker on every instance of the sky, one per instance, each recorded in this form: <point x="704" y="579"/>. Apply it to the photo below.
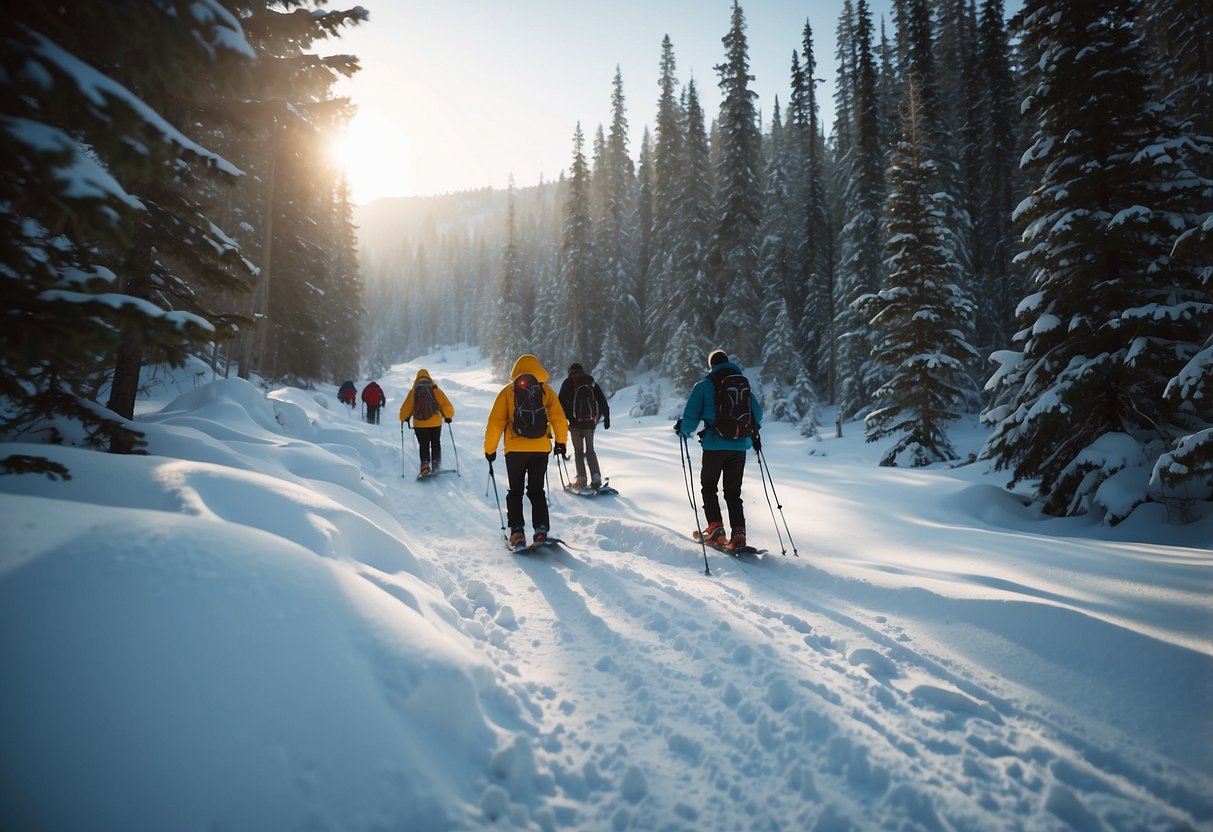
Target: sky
<point x="272" y="624"/>
<point x="459" y="94"/>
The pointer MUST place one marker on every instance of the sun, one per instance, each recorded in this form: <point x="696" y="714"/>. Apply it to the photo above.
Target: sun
<point x="376" y="156"/>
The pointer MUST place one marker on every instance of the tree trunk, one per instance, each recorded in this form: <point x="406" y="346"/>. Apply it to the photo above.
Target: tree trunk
<point x="124" y="388"/>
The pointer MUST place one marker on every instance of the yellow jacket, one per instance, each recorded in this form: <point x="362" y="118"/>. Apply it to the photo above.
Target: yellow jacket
<point x="502" y="414"/>
<point x="445" y="408"/>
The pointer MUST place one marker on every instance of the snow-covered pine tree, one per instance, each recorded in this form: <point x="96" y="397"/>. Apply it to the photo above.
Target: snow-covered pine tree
<point x="816" y="314"/>
<point x="997" y="280"/>
<point x="689" y="287"/>
<point x="803" y="396"/>
<point x="643" y="224"/>
<point x="921" y="314"/>
<point x="617" y="236"/>
<point x="511" y="334"/>
<point x="611" y="370"/>
<point x="289" y="110"/>
<point x="689" y="348"/>
<point x="781" y="365"/>
<point x="343" y="312"/>
<point x="648" y="400"/>
<point x="736" y="302"/>
<point x="862" y="194"/>
<point x="1111" y="320"/>
<point x="778" y="265"/>
<point x="107" y="226"/>
<point x="668" y="177"/>
<point x="577" y="259"/>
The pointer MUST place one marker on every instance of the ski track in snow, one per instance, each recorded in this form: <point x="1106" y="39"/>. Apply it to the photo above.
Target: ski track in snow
<point x="765" y="696"/>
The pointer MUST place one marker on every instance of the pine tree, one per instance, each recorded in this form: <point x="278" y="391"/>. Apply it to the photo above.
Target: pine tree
<point x="689" y="348"/>
<point x="816" y="313"/>
<point x="668" y="175"/>
<point x="643" y="223"/>
<point x="921" y="313"/>
<point x="578" y="258"/>
<point x="107" y="224"/>
<point x="611" y="370"/>
<point x="1110" y="322"/>
<point x="617" y="237"/>
<point x="690" y="290"/>
<point x="344" y="311"/>
<point x="778" y="267"/>
<point x="734" y="259"/>
<point x="862" y="196"/>
<point x="510" y="335"/>
<point x="993" y="233"/>
<point x="291" y="110"/>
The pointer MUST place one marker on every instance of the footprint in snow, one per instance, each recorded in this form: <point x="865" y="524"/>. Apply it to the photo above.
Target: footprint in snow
<point x="877" y="665"/>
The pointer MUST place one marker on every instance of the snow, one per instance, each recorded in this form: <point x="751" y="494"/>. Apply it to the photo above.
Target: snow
<point x="98" y="89"/>
<point x="82" y="177"/>
<point x="268" y="623"/>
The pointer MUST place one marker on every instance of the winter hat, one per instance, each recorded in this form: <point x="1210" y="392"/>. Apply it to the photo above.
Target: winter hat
<point x="717" y="357"/>
<point x="576" y="368"/>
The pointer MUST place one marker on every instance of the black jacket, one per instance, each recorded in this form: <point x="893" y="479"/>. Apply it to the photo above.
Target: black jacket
<point x="569" y="387"/>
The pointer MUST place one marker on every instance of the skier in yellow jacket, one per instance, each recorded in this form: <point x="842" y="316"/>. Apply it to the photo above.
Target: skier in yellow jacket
<point x="427" y="406"/>
<point x="529" y="414"/>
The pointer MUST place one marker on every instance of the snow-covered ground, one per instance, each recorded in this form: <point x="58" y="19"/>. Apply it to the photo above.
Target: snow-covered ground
<point x="264" y="625"/>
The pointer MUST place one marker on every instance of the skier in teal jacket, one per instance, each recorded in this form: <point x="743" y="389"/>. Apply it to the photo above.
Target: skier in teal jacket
<point x="722" y="454"/>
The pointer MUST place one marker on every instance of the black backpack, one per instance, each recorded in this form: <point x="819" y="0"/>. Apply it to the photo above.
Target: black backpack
<point x="734" y="417"/>
<point x="585" y="403"/>
<point x="424" y="403"/>
<point x="530" y="416"/>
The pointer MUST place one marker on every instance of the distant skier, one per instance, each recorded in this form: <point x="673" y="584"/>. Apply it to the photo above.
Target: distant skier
<point x="347" y="394"/>
<point x="527" y="412"/>
<point x="373" y="398"/>
<point x="584" y="404"/>
<point x="427" y="407"/>
<point x="730" y="411"/>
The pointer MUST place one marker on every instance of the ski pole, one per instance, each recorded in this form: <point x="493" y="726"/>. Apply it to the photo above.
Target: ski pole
<point x="783" y="549"/>
<point x="402" y="450"/>
<point x="493" y="480"/>
<point x="561" y="467"/>
<point x="688" y="474"/>
<point x="762" y="464"/>
<point x="454" y="447"/>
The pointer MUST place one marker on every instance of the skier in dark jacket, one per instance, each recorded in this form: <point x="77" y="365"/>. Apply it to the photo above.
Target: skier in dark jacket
<point x="584" y="404"/>
<point x="721" y="455"/>
<point x="347" y="394"/>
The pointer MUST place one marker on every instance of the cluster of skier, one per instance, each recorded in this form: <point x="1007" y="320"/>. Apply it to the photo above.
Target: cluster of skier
<point x="536" y="422"/>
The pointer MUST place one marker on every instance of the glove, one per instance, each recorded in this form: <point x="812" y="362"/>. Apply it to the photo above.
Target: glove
<point x="490" y="456"/>
<point x="559" y="450"/>
<point x="606" y="422"/>
<point x="678" y="426"/>
<point x="448" y="420"/>
<point x="757" y="442"/>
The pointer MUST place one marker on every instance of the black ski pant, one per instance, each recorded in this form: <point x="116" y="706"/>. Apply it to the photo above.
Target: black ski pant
<point x="732" y="465"/>
<point x="526" y="471"/>
<point x="372" y="413"/>
<point x="429" y="445"/>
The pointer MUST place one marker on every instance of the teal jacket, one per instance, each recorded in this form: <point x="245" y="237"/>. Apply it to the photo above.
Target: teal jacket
<point x="701" y="407"/>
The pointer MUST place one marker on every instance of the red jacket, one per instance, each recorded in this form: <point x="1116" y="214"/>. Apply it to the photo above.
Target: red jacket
<point x="373" y="396"/>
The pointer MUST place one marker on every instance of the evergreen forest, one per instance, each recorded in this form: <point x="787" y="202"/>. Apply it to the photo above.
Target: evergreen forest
<point x="1011" y="218"/>
<point x="1004" y="217"/>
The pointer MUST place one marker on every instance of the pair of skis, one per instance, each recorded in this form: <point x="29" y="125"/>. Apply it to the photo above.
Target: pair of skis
<point x="590" y="491"/>
<point x="536" y="546"/>
<point x="433" y="472"/>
